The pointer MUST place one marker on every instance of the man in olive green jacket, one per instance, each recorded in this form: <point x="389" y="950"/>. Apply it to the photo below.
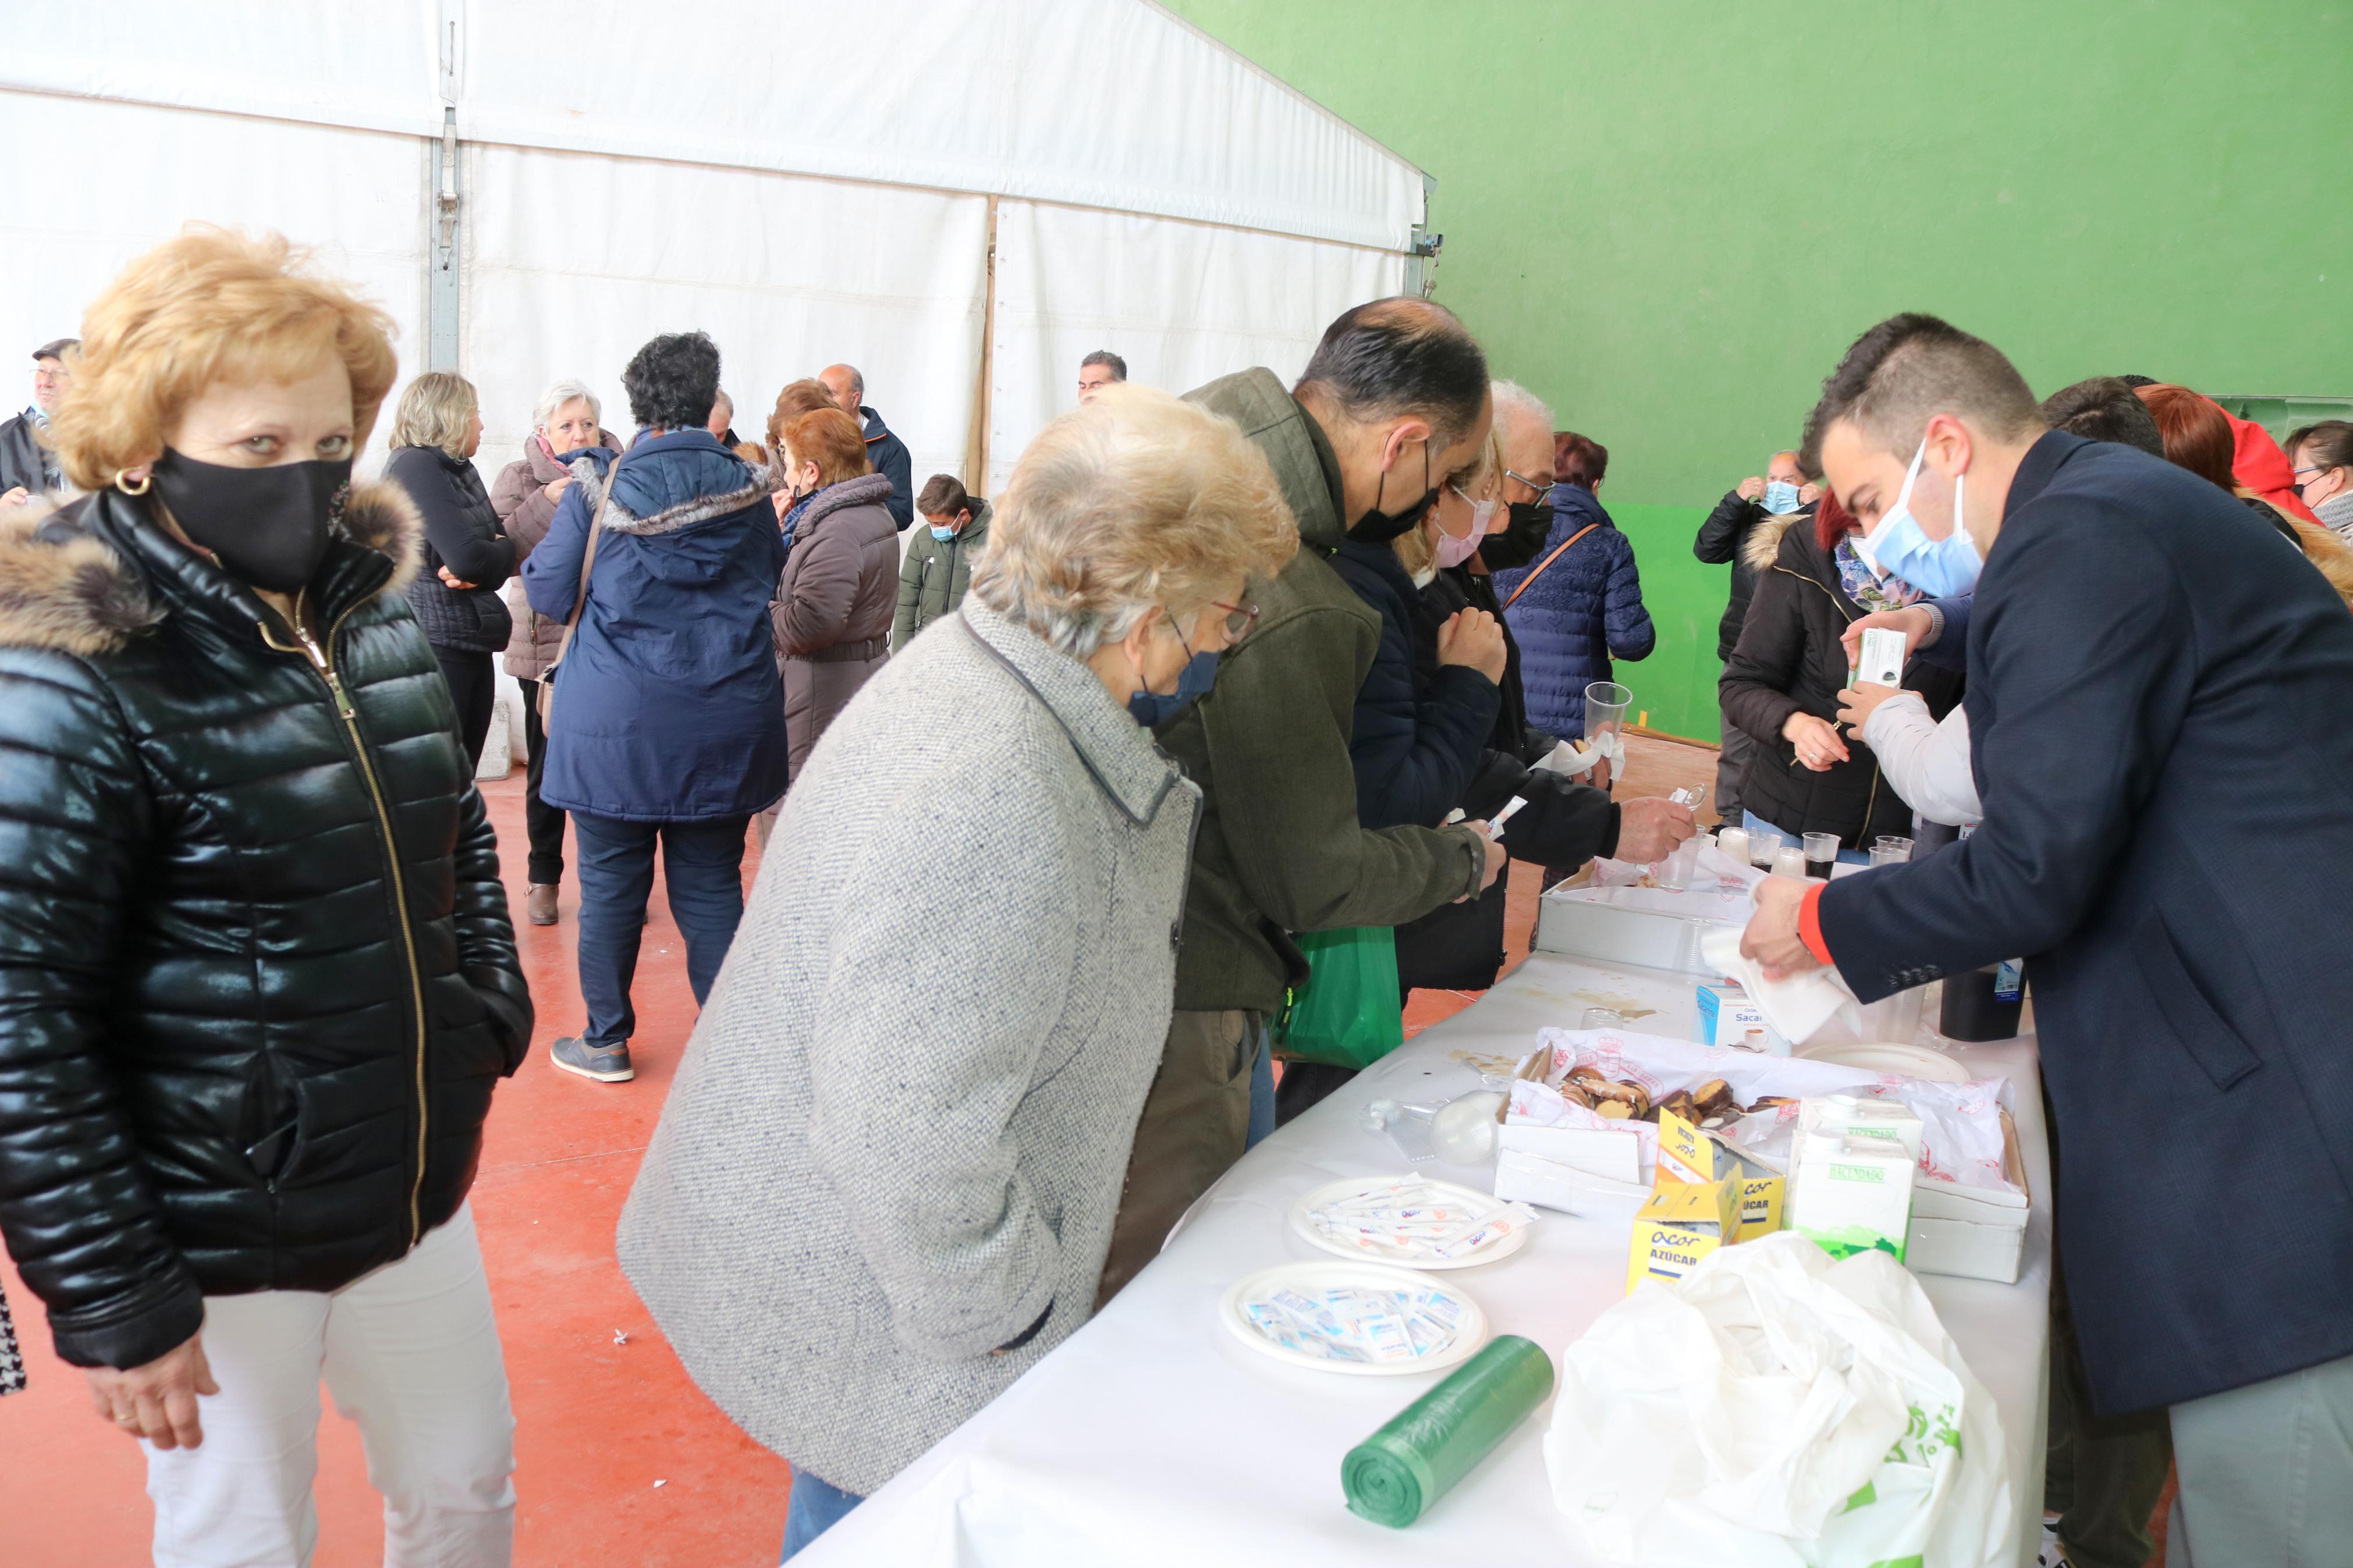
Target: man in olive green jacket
<point x="934" y="571"/>
<point x="1393" y="404"/>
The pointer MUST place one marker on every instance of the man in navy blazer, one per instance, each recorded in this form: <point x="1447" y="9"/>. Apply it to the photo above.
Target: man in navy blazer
<point x="2156" y="693"/>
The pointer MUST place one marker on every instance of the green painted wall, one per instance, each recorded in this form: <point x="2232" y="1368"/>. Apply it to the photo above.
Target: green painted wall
<point x="1670" y="217"/>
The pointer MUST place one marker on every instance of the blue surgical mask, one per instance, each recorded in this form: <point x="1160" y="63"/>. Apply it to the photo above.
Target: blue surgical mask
<point x="943" y="534"/>
<point x="1154" y="709"/>
<point x="1941" y="568"/>
<point x="1780" y="497"/>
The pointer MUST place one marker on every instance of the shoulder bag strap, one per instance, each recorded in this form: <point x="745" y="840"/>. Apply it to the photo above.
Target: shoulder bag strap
<point x="1529" y="581"/>
<point x="587" y="564"/>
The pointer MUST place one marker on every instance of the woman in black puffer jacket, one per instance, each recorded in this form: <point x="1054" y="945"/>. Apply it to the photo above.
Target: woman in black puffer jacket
<point x="259" y="973"/>
<point x="435" y="431"/>
<point x="1782" y="681"/>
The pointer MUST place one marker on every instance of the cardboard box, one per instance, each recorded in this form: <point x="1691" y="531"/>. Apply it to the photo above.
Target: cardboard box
<point x="1760" y="1203"/>
<point x="1726" y="1015"/>
<point x="1974" y="1233"/>
<point x="1681" y="1223"/>
<point x="1688" y="1154"/>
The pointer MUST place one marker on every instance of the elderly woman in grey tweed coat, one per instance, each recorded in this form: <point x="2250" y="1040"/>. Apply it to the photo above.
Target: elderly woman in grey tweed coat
<point x="884" y="1181"/>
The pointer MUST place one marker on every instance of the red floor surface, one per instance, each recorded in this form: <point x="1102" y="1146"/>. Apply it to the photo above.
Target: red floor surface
<point x="621" y="1460"/>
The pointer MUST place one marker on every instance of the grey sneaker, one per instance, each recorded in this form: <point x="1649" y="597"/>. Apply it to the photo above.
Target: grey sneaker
<point x="605" y="1063"/>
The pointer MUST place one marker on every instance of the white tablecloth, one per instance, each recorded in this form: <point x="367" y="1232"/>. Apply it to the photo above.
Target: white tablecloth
<point x="1152" y="1436"/>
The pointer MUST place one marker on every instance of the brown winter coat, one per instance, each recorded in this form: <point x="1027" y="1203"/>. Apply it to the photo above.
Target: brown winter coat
<point x="832" y="613"/>
<point x="525" y="512"/>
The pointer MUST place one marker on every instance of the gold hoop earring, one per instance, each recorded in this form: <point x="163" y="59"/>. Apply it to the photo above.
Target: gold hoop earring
<point x="139" y="489"/>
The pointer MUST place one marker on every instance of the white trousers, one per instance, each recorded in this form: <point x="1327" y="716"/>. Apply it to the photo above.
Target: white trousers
<point x="411" y="1353"/>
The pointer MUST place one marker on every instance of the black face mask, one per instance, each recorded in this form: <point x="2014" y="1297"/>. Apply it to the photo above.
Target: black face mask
<point x="1378" y="527"/>
<point x="1522" y="538"/>
<point x="268" y="527"/>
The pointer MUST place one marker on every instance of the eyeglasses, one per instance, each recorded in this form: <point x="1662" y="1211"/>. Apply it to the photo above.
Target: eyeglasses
<point x="1240" y="618"/>
<point x="1523" y="479"/>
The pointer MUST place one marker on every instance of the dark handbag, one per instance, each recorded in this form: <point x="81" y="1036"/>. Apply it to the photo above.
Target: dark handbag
<point x="579" y="602"/>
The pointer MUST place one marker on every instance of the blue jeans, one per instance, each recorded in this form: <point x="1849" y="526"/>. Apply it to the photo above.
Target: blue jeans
<point x="1755" y="824"/>
<point x="703" y="863"/>
<point x="815" y="1508"/>
<point x="1262" y="1118"/>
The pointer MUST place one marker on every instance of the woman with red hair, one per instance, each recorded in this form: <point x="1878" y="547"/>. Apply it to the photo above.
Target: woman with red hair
<point x="2198" y="437"/>
<point x="1781" y="684"/>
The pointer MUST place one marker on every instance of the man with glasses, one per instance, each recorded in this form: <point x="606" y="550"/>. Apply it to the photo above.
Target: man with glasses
<point x="29" y="468"/>
<point x="1393" y="401"/>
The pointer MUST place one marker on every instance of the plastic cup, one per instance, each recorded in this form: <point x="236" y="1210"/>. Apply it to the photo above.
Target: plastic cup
<point x="1883" y="855"/>
<point x="1602" y="1018"/>
<point x="1789" y="861"/>
<point x="1821" y="854"/>
<point x="1895" y="842"/>
<point x="1606" y="702"/>
<point x="1762" y="847"/>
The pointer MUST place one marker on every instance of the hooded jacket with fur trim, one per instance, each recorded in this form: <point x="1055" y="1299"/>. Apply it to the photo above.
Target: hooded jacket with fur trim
<point x="1789" y="660"/>
<point x="668" y="706"/>
<point x="257" y="978"/>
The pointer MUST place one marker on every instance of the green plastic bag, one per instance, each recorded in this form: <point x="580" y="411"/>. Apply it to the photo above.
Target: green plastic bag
<point x="1393" y="1476"/>
<point x="1348" y="1014"/>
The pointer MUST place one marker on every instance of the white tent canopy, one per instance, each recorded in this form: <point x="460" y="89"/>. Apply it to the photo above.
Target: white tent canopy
<point x="809" y="183"/>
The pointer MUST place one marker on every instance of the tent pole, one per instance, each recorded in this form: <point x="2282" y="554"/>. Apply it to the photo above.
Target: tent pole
<point x="441" y="279"/>
<point x="976" y="447"/>
<point x="441" y="241"/>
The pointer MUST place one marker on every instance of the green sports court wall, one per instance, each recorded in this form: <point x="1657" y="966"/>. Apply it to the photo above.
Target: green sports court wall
<point x="1667" y="218"/>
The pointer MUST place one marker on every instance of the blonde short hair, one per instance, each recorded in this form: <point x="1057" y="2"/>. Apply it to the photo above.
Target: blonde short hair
<point x="1415" y="551"/>
<point x="433" y="412"/>
<point x="209" y="306"/>
<point x="1136" y="499"/>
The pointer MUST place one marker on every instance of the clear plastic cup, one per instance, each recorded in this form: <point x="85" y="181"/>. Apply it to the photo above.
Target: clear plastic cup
<point x="1762" y="847"/>
<point x="1789" y="861"/>
<point x="1821" y="853"/>
<point x="1606" y="702"/>
<point x="1898" y="848"/>
<point x="1733" y="843"/>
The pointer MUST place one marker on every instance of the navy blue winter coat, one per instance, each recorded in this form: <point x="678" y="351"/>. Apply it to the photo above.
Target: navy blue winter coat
<point x="1415" y="744"/>
<point x="668" y="706"/>
<point x="2154" y="689"/>
<point x="1585" y="609"/>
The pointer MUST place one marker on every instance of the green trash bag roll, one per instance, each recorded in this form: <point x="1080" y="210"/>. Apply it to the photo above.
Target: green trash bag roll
<point x="1392" y="1477"/>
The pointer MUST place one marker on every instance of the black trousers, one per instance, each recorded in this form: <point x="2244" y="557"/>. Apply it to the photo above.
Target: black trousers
<point x="473" y="686"/>
<point x="543" y="822"/>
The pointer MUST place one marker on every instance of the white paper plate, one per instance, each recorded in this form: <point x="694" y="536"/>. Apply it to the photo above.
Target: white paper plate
<point x="1904" y="1061"/>
<point x="1317" y="1274"/>
<point x="1304" y="1223"/>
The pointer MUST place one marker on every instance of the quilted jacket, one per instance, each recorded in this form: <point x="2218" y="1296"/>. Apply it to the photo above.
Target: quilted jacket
<point x="257" y="978"/>
<point x="1586" y="610"/>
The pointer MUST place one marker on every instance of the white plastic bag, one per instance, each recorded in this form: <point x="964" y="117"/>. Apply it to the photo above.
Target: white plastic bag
<point x="1775" y="1409"/>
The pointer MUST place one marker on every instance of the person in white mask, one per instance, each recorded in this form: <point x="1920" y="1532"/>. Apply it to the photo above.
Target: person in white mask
<point x="2167" y="813"/>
